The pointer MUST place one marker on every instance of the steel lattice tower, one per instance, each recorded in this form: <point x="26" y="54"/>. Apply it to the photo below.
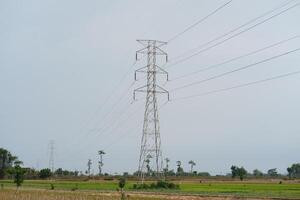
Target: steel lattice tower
<point x="151" y="151"/>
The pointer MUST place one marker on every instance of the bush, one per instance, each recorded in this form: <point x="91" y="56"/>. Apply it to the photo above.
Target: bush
<point x="122" y="182"/>
<point x="75" y="187"/>
<point x="45" y="173"/>
<point x="158" y="185"/>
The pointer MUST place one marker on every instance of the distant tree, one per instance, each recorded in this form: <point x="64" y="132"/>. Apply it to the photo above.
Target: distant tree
<point x="167" y="164"/>
<point x="100" y="163"/>
<point x="179" y="168"/>
<point x="192" y="163"/>
<point x="59" y="172"/>
<point x="203" y="174"/>
<point x="6" y="161"/>
<point x="234" y="170"/>
<point x="148" y="164"/>
<point x="257" y="173"/>
<point x="89" y="165"/>
<point x="238" y="172"/>
<point x="45" y="173"/>
<point x="18" y="173"/>
<point x="241" y="173"/>
<point x="171" y="173"/>
<point x="289" y="170"/>
<point x="272" y="172"/>
<point x="294" y="171"/>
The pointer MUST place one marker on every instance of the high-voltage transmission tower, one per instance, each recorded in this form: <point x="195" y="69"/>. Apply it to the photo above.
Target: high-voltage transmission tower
<point x="151" y="142"/>
<point x="51" y="157"/>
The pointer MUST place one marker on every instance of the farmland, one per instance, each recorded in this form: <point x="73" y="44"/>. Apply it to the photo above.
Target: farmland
<point x="107" y="189"/>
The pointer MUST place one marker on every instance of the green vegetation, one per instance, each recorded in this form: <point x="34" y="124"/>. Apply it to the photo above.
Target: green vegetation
<point x="294" y="171"/>
<point x="7" y="161"/>
<point x="18" y="174"/>
<point x="180" y="182"/>
<point x="45" y="173"/>
<point x="239" y="189"/>
<point x="158" y="185"/>
<point x="238" y="172"/>
<point x="122" y="183"/>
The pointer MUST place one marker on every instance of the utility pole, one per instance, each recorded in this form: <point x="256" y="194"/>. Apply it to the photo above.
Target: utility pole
<point x="151" y="142"/>
<point x="51" y="157"/>
<point x="101" y="153"/>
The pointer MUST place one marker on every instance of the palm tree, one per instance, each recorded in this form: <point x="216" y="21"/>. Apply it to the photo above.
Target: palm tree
<point x="89" y="164"/>
<point x="179" y="169"/>
<point x="167" y="164"/>
<point x="101" y="153"/>
<point x="148" y="163"/>
<point x="192" y="163"/>
<point x="178" y="163"/>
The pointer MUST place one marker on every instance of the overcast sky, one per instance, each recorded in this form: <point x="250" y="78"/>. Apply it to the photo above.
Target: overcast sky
<point x="61" y="60"/>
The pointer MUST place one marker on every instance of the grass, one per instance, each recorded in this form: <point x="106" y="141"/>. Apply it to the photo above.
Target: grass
<point x="273" y="190"/>
<point x="10" y="194"/>
<point x="237" y="189"/>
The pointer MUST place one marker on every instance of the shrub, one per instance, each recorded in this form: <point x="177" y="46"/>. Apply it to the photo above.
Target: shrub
<point x="158" y="185"/>
<point x="75" y="187"/>
<point x="45" y="173"/>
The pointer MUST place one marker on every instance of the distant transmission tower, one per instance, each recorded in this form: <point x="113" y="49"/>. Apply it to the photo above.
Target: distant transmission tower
<point x="51" y="158"/>
<point x="151" y="142"/>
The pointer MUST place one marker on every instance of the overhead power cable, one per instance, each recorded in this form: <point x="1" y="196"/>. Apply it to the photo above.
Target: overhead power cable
<point x="116" y="103"/>
<point x="235" y="70"/>
<point x="232" y="36"/>
<point x="203" y="69"/>
<point x="198" y="22"/>
<point x="238" y="86"/>
<point x="112" y="93"/>
<point x="80" y="147"/>
<point x="79" y="141"/>
<point x="129" y="131"/>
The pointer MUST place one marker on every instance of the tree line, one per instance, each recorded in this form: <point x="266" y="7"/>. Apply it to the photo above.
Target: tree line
<point x="11" y="167"/>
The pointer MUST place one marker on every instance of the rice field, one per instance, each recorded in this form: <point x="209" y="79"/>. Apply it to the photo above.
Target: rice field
<point x="108" y="190"/>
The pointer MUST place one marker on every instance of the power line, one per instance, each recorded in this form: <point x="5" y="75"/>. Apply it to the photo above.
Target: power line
<point x="198" y="22"/>
<point x="234" y="59"/>
<point x="117" y="86"/>
<point x="234" y="35"/>
<point x="235" y="29"/>
<point x="115" y="104"/>
<point x="106" y="133"/>
<point x="238" y="86"/>
<point x="236" y="70"/>
<point x="102" y="105"/>
<point x="128" y="132"/>
<point x="102" y="131"/>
